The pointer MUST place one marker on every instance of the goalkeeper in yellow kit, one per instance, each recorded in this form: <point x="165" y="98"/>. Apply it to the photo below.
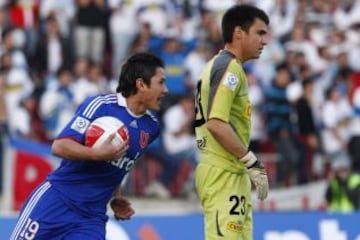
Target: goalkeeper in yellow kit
<point x="223" y="111"/>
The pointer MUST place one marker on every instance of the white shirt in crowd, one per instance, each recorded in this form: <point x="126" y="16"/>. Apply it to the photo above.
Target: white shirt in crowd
<point x="174" y="119"/>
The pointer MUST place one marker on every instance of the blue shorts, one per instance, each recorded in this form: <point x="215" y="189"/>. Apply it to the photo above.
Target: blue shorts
<point x="46" y="216"/>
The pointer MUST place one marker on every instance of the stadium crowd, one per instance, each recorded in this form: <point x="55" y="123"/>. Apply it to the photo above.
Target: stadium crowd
<point x="304" y="88"/>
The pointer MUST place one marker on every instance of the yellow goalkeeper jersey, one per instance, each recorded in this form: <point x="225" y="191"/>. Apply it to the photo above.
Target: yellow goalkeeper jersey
<point x="222" y="93"/>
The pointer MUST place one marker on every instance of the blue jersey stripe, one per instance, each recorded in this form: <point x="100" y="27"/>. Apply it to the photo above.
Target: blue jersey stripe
<point x="29" y="207"/>
<point x="90" y="105"/>
<point x="90" y="114"/>
<point x="96" y="103"/>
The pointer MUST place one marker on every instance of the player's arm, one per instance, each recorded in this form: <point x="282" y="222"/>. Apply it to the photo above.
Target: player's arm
<point x="72" y="150"/>
<point x="226" y="136"/>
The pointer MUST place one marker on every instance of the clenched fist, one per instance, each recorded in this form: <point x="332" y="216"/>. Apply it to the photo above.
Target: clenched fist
<point x="122" y="208"/>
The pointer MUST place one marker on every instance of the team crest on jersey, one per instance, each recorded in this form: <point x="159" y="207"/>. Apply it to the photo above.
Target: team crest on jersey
<point x="80" y="124"/>
<point x="231" y="81"/>
<point x="144" y="139"/>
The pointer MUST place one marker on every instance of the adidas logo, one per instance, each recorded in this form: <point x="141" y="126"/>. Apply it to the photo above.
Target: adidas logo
<point x="133" y="124"/>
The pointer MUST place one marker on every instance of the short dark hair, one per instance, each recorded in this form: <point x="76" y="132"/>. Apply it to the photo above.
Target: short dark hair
<point x="242" y="16"/>
<point x="140" y="65"/>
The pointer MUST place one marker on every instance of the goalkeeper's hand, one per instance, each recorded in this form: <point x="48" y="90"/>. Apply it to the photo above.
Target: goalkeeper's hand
<point x="257" y="174"/>
<point x="122" y="208"/>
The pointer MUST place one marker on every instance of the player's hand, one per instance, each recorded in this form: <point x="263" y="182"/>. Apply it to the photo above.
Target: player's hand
<point x="257" y="174"/>
<point x="108" y="151"/>
<point x="122" y="208"/>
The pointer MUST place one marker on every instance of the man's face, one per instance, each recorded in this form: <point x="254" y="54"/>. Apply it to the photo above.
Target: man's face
<point x="255" y="40"/>
<point x="156" y="91"/>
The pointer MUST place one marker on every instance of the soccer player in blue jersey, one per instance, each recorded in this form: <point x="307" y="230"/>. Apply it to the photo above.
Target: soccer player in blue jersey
<point x="71" y="203"/>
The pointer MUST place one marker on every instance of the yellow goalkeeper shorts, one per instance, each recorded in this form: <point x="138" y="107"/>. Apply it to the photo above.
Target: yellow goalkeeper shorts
<point x="226" y="200"/>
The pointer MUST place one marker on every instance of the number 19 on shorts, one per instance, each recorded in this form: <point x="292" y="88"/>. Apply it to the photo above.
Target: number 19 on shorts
<point x="30" y="229"/>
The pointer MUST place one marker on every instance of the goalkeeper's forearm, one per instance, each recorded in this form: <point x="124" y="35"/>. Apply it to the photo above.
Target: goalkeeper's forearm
<point x="249" y="159"/>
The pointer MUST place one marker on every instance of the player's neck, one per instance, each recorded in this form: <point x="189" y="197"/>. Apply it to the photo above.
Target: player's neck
<point x="236" y="51"/>
<point x="135" y="105"/>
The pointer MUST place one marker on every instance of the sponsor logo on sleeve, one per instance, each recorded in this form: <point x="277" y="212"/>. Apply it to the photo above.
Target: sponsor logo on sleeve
<point x="80" y="125"/>
<point x="231" y="81"/>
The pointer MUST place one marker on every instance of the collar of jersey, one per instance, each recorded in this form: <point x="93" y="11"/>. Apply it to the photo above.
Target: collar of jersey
<point x="122" y="103"/>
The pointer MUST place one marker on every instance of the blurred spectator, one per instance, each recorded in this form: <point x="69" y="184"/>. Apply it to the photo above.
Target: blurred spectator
<point x="3" y="124"/>
<point x="26" y="111"/>
<point x="57" y="103"/>
<point x="282" y="15"/>
<point x="157" y="13"/>
<point x="299" y="43"/>
<point x="336" y="115"/>
<point x="81" y="69"/>
<point x="2" y="92"/>
<point x="354" y="142"/>
<point x="141" y="40"/>
<point x="280" y="126"/>
<point x="343" y="191"/>
<point x="353" y="36"/>
<point x="325" y="59"/>
<point x="195" y="62"/>
<point x="342" y="81"/>
<point x="258" y="131"/>
<point x="94" y="83"/>
<point x="320" y="12"/>
<point x="338" y="43"/>
<point x="187" y="17"/>
<point x="346" y="14"/>
<point x="89" y="30"/>
<point x="3" y="22"/>
<point x="18" y="85"/>
<point x="178" y="145"/>
<point x="173" y="51"/>
<point x="264" y="67"/>
<point x="52" y="51"/>
<point x="63" y="10"/>
<point x="308" y="134"/>
<point x="317" y="33"/>
<point x="209" y="31"/>
<point x="123" y="26"/>
<point x="10" y="43"/>
<point x="217" y="8"/>
<point x="24" y="15"/>
<point x="340" y="72"/>
<point x="178" y="137"/>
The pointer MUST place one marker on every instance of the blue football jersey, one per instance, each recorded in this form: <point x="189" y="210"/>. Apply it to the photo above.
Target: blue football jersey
<point x="87" y="186"/>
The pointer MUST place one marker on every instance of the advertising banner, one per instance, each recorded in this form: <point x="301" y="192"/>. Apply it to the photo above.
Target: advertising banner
<point x="26" y="164"/>
<point x="267" y="226"/>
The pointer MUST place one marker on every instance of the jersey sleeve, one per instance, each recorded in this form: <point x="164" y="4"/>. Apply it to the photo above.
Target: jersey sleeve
<point x="225" y="84"/>
<point x="78" y="125"/>
<point x="155" y="129"/>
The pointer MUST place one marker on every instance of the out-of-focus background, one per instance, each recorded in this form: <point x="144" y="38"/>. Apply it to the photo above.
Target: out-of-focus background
<point x="303" y="89"/>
